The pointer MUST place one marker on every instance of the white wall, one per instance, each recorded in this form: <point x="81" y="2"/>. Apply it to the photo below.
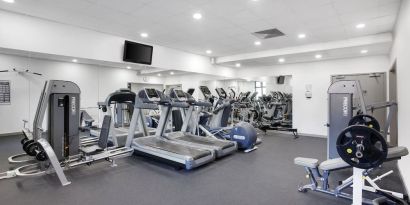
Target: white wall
<point x="95" y="82"/>
<point x="310" y="115"/>
<point x="21" y="32"/>
<point x="400" y="52"/>
<point x="272" y="85"/>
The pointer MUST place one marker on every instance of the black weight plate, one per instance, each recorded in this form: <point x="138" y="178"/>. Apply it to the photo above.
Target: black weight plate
<point x="22" y="141"/>
<point x="375" y="146"/>
<point x="367" y="120"/>
<point x="41" y="156"/>
<point x="31" y="149"/>
<point x="26" y="143"/>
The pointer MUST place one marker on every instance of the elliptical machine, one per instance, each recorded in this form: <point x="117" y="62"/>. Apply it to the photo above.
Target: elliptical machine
<point x="216" y="124"/>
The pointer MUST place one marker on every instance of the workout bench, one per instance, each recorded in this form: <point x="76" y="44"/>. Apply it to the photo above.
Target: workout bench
<point x="320" y="172"/>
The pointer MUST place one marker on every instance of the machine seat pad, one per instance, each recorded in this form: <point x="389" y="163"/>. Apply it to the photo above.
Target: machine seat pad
<point x="333" y="164"/>
<point x="397" y="152"/>
<point x="307" y="162"/>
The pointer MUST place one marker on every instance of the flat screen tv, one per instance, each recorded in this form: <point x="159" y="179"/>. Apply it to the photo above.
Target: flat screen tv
<point x="137" y="53"/>
<point x="281" y="80"/>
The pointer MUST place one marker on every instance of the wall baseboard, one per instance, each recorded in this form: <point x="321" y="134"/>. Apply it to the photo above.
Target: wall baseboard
<point x="300" y="134"/>
<point x="10" y="134"/>
<point x="312" y="135"/>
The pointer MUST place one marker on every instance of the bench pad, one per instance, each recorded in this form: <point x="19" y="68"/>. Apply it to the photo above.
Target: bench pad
<point x="306" y="162"/>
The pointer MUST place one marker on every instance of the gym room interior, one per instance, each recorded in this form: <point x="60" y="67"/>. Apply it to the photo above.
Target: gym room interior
<point x="199" y="102"/>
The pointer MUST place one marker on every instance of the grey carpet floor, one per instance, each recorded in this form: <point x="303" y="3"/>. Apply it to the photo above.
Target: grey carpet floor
<point x="266" y="176"/>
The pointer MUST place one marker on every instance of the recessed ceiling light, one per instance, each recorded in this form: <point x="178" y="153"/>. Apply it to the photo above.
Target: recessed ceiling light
<point x="172" y="73"/>
<point x="257" y="43"/>
<point x="197" y="16"/>
<point x="302" y="36"/>
<point x="208" y="51"/>
<point x="281" y="60"/>
<point x="74" y="60"/>
<point x="144" y="35"/>
<point x="237" y="65"/>
<point x="360" y="25"/>
<point x="9" y="1"/>
<point x="364" y="51"/>
<point x="128" y="67"/>
<point x="318" y="56"/>
<point x="159" y="74"/>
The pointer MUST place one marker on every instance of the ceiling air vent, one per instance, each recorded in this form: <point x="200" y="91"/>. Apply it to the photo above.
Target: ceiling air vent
<point x="270" y="33"/>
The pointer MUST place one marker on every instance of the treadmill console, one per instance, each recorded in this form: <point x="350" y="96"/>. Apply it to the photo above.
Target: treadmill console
<point x="221" y="92"/>
<point x="191" y="91"/>
<point x="206" y="92"/>
<point x="152" y="95"/>
<point x="180" y="95"/>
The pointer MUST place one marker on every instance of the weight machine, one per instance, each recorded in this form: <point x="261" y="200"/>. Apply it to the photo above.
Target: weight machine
<point x="362" y="145"/>
<point x="59" y="148"/>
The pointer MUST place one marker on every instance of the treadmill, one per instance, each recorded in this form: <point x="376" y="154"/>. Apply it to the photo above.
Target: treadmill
<point x="158" y="146"/>
<point x="219" y="146"/>
<point x="118" y="134"/>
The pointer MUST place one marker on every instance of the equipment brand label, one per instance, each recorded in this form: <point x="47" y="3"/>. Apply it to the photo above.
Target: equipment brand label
<point x="239" y="137"/>
<point x="73" y="107"/>
<point x="345" y="107"/>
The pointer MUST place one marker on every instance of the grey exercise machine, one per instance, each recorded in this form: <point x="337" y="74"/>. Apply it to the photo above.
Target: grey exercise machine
<point x="343" y="126"/>
<point x="219" y="146"/>
<point x="119" y="127"/>
<point x="159" y="146"/>
<point x="59" y="148"/>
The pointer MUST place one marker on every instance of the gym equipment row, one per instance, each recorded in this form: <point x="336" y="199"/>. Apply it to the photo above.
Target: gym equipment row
<point x="61" y="148"/>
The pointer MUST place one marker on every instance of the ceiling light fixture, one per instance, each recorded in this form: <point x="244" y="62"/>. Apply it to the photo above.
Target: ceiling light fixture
<point x="9" y="1"/>
<point x="318" y="56"/>
<point x="364" y="51"/>
<point x="159" y="74"/>
<point x="208" y="51"/>
<point x="74" y="60"/>
<point x="172" y="73"/>
<point x="302" y="36"/>
<point x="237" y="65"/>
<point x="144" y="35"/>
<point x="281" y="60"/>
<point x="360" y="25"/>
<point x="128" y="67"/>
<point x="257" y="43"/>
<point x="197" y="16"/>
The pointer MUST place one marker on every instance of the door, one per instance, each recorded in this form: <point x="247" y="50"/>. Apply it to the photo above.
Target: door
<point x="374" y="91"/>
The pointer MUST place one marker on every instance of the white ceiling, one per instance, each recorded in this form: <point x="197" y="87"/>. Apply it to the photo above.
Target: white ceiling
<point x="226" y="26"/>
<point x="330" y="54"/>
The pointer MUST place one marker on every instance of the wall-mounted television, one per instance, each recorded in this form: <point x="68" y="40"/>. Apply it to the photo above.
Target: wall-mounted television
<point x="137" y="53"/>
<point x="281" y="80"/>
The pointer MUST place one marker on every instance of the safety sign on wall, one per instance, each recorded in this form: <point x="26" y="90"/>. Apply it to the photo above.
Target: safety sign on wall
<point x="4" y="92"/>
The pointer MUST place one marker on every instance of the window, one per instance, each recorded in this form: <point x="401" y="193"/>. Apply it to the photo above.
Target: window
<point x="260" y="87"/>
<point x="4" y="92"/>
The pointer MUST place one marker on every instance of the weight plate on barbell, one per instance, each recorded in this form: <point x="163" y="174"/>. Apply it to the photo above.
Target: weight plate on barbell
<point x="367" y="120"/>
<point x="362" y="147"/>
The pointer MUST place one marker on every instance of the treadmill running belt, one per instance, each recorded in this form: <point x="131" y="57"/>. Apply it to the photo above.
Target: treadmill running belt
<point x="172" y="147"/>
<point x="205" y="141"/>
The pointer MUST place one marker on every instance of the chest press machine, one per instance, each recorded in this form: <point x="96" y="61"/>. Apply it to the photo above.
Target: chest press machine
<point x="361" y="145"/>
